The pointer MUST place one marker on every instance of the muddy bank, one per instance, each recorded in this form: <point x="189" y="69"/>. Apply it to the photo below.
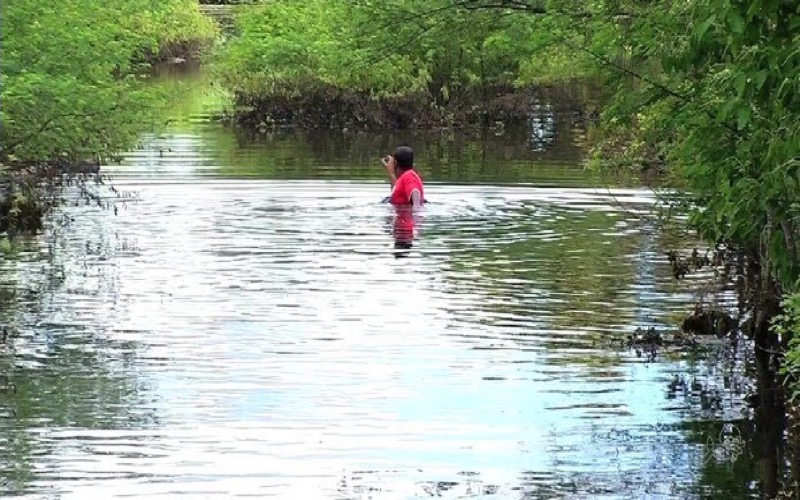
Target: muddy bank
<point x="329" y="107"/>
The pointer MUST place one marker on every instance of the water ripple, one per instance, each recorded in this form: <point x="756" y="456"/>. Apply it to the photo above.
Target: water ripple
<point x="264" y="337"/>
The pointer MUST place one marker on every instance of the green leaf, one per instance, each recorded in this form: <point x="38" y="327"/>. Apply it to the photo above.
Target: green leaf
<point x="740" y="84"/>
<point x="701" y="31"/>
<point x="760" y="78"/>
<point x="735" y="21"/>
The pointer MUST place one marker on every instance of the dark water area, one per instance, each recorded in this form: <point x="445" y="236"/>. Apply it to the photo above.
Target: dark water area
<point x="248" y="327"/>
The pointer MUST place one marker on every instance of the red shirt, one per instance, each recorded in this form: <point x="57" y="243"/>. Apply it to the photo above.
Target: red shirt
<point x="405" y="185"/>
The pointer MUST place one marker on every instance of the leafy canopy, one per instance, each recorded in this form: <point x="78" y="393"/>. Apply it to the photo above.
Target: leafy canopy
<point x="719" y="99"/>
<point x="392" y="47"/>
<point x="69" y="72"/>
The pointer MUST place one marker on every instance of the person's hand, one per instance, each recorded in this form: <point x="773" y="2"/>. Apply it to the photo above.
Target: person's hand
<point x="389" y="162"/>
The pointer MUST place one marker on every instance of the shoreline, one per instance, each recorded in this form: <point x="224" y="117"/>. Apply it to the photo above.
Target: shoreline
<point x="328" y="107"/>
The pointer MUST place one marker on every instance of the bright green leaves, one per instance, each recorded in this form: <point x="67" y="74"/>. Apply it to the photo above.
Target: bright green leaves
<point x="66" y="75"/>
<point x="734" y="132"/>
<point x="702" y="29"/>
<point x="735" y="22"/>
<point x="285" y="46"/>
<point x="395" y="47"/>
<point x="787" y="325"/>
<point x="743" y="117"/>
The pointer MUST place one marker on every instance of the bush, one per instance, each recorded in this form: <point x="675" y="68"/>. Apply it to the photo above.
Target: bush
<point x="69" y="75"/>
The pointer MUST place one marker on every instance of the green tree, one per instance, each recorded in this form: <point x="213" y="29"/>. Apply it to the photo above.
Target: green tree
<point x="721" y="103"/>
<point x="709" y="90"/>
<point x="435" y="50"/>
<point x="71" y="86"/>
<point x="69" y="73"/>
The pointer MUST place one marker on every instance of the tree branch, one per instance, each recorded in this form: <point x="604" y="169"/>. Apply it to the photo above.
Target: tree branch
<point x="531" y="8"/>
<point x="520" y="5"/>
<point x="6" y="150"/>
<point x="663" y="88"/>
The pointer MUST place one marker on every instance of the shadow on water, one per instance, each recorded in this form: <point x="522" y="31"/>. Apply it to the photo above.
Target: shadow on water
<point x="246" y="328"/>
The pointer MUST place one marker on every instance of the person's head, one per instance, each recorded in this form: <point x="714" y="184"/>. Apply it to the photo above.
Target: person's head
<point x="404" y="156"/>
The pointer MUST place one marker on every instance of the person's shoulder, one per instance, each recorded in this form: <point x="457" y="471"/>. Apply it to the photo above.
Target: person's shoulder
<point x="406" y="176"/>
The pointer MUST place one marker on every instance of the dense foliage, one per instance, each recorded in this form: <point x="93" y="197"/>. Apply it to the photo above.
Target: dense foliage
<point x="69" y="72"/>
<point x="425" y="55"/>
<point x="709" y="92"/>
<point x="716" y="101"/>
<point x="286" y="47"/>
<point x="720" y="103"/>
<point x="71" y="89"/>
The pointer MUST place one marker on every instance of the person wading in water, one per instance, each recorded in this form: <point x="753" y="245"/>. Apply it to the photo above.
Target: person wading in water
<point x="407" y="188"/>
<point x="408" y="193"/>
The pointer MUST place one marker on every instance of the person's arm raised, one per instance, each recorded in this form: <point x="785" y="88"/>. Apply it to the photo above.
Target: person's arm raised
<point x="389" y="163"/>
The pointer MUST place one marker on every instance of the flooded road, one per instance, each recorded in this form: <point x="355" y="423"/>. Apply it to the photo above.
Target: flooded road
<point x="249" y="328"/>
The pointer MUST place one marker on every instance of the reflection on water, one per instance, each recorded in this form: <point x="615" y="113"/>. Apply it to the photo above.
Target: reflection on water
<point x="405" y="221"/>
<point x="246" y="329"/>
<point x="548" y="152"/>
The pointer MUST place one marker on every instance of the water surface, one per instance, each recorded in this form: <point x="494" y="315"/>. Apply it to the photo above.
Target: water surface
<point x="248" y="328"/>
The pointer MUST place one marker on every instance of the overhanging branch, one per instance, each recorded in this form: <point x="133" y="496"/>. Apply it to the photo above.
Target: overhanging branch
<point x="521" y="5"/>
<point x="7" y="149"/>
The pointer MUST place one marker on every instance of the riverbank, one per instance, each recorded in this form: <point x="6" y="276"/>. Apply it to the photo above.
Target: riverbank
<point x="318" y="106"/>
